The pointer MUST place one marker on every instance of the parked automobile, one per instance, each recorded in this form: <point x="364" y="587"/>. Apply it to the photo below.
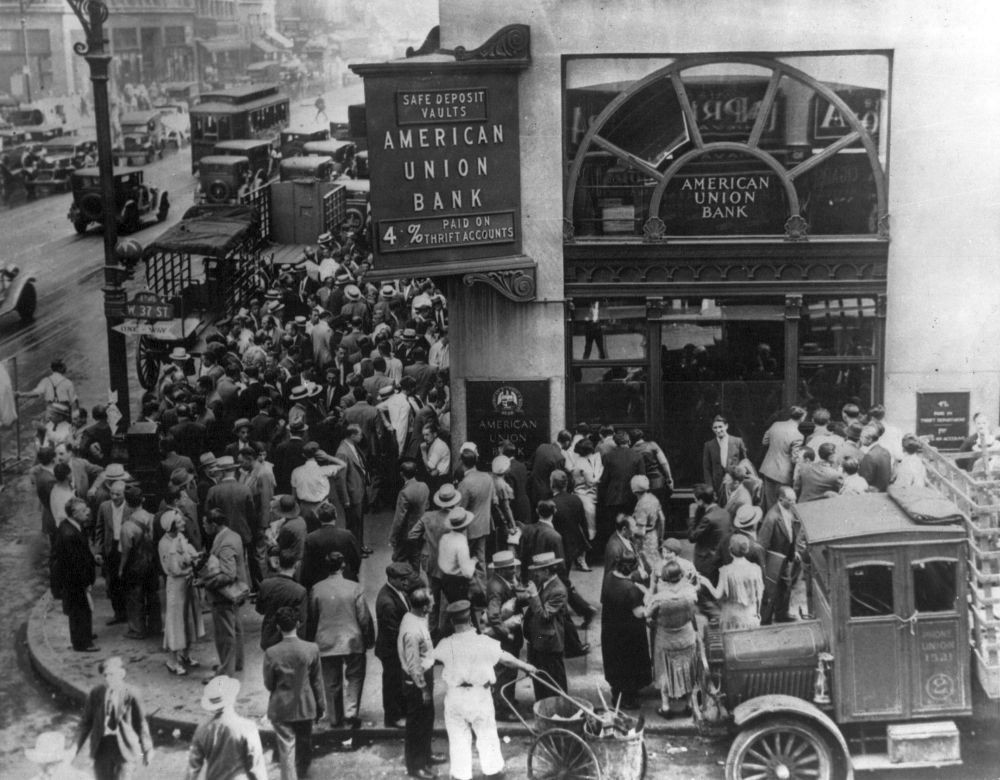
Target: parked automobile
<point x="291" y="141"/>
<point x="143" y="137"/>
<point x="135" y="201"/>
<point x="258" y="152"/>
<point x="59" y="158"/>
<point x="312" y="167"/>
<point x="224" y="179"/>
<point x="341" y="152"/>
<point x="17" y="292"/>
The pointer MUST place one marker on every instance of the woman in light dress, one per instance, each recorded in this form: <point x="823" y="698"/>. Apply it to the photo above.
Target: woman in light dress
<point x="740" y="588"/>
<point x="671" y="611"/>
<point x="182" y="621"/>
<point x="586" y="468"/>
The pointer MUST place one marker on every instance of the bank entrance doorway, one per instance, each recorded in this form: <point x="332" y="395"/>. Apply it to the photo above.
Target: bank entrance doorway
<point x="670" y="365"/>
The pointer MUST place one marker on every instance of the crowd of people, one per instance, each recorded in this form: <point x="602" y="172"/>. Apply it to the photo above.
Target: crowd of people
<point x="326" y="400"/>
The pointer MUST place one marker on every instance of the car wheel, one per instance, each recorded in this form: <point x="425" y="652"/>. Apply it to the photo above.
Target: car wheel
<point x="27" y="303"/>
<point x="80" y="225"/>
<point x="91" y="206"/>
<point x="780" y="747"/>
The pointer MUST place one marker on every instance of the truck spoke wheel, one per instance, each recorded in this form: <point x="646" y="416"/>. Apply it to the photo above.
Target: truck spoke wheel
<point x="779" y="749"/>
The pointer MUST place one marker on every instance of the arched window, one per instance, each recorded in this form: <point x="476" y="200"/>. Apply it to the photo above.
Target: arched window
<point x="729" y="145"/>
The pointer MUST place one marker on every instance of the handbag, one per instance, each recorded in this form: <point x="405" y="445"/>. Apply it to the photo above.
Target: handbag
<point x="234" y="592"/>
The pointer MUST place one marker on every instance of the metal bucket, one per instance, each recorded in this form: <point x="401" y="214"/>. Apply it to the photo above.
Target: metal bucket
<point x="564" y="712"/>
<point x="620" y="756"/>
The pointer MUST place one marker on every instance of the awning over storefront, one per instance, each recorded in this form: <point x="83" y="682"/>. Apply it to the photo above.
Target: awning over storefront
<point x="280" y="39"/>
<point x="223" y="44"/>
<point x="265" y="46"/>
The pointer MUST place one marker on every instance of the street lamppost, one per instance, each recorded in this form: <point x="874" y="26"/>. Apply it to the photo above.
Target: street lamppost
<point x="92" y="15"/>
<point x="23" y="5"/>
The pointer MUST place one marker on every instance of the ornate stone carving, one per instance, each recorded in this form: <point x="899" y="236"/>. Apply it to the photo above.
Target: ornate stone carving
<point x="793" y="307"/>
<point x="431" y="44"/>
<point x="517" y="284"/>
<point x="512" y="42"/>
<point x="654" y="229"/>
<point x="883" y="227"/>
<point x="796" y="228"/>
<point x="569" y="232"/>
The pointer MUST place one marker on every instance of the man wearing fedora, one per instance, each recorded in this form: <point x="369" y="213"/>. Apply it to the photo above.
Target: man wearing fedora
<point x="241" y="429"/>
<point x="234" y="500"/>
<point x="544" y="622"/>
<point x="179" y="498"/>
<point x="391" y="604"/>
<point x="457" y="566"/>
<point x="52" y="757"/>
<point x="324" y="540"/>
<point x="288" y="455"/>
<point x="110" y="516"/>
<point x="478" y="496"/>
<point x="114" y="721"/>
<point x="356" y="480"/>
<point x="227" y="744"/>
<point x="231" y="569"/>
<point x="426" y="536"/>
<point x="469" y="661"/>
<point x="505" y="604"/>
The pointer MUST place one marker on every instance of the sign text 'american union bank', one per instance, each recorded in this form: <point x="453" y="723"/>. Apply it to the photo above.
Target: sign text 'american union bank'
<point x="444" y="166"/>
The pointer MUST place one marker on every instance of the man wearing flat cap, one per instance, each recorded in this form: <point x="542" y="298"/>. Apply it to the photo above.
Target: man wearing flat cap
<point x="391" y="604"/>
<point x="469" y="660"/>
<point x="544" y="627"/>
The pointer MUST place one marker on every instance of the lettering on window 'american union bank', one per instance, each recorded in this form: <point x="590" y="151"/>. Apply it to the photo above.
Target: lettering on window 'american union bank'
<point x="724" y="197"/>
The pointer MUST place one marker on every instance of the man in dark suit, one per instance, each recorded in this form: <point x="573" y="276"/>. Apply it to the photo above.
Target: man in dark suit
<point x="783" y="440"/>
<point x="547" y="458"/>
<point x="189" y="435"/>
<point x="114" y="722"/>
<point x="411" y="503"/>
<point x="720" y="453"/>
<point x="227" y="548"/>
<point x="517" y="476"/>
<point x="570" y="520"/>
<point x="391" y="604"/>
<point x="235" y="500"/>
<point x="294" y="677"/>
<point x="876" y="466"/>
<point x="544" y="622"/>
<point x="818" y="479"/>
<point x="110" y="516"/>
<point x="780" y="534"/>
<point x="614" y="493"/>
<point x="356" y="479"/>
<point x="278" y="591"/>
<point x="288" y="456"/>
<point x="44" y="480"/>
<point x="709" y="529"/>
<point x="325" y="540"/>
<point x="73" y="572"/>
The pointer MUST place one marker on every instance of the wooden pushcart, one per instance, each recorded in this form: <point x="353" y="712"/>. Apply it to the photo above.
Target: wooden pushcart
<point x="575" y="740"/>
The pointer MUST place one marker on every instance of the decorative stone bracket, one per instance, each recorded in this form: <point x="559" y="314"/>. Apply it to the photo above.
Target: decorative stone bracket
<point x="511" y="43"/>
<point x="518" y="284"/>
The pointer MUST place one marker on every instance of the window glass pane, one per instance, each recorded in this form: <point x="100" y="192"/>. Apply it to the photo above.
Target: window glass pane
<point x="837" y="326"/>
<point x="610" y="394"/>
<point x="832" y="386"/>
<point x="870" y="587"/>
<point x="606" y="330"/>
<point x="934" y="584"/>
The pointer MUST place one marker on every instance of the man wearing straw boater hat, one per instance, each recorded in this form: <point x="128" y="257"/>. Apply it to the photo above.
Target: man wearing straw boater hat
<point x="226" y="741"/>
<point x="505" y="603"/>
<point x="429" y="529"/>
<point x="544" y="628"/>
<point x="469" y="660"/>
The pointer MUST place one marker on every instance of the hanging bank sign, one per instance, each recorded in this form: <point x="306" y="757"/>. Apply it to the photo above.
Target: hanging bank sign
<point x="444" y="161"/>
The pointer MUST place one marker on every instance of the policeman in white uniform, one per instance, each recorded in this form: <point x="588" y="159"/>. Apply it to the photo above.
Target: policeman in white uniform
<point x="468" y="660"/>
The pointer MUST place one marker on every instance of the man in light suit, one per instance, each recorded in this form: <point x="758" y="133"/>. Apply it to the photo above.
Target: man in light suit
<point x="544" y="621"/>
<point x="720" y="453"/>
<point x="783" y="441"/>
<point x="356" y="479"/>
<point x="228" y="550"/>
<point x="780" y="534"/>
<point x="110" y="516"/>
<point x="478" y="495"/>
<point x="113" y="719"/>
<point x="294" y="677"/>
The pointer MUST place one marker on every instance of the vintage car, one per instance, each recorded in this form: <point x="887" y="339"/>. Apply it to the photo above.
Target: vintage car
<point x="358" y="197"/>
<point x="342" y="152"/>
<point x="291" y="141"/>
<point x="877" y="676"/>
<point x="17" y="292"/>
<point x="224" y="179"/>
<point x="258" y="152"/>
<point x="143" y="137"/>
<point x="176" y="124"/>
<point x="59" y="158"/>
<point x="135" y="201"/>
<point x="311" y="166"/>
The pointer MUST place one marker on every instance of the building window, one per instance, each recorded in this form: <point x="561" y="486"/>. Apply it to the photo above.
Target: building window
<point x="725" y="145"/>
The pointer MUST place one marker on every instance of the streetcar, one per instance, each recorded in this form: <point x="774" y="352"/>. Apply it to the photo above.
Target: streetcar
<point x="251" y="111"/>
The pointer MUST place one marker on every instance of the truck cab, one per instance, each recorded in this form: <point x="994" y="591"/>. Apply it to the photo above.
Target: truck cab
<point x="877" y="675"/>
<point x="258" y="152"/>
<point x="143" y="137"/>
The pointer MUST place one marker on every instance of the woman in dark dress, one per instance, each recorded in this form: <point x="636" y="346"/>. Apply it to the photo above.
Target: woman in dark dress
<point x="624" y="643"/>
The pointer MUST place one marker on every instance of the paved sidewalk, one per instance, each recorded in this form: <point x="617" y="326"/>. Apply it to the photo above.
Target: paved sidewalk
<point x="172" y="702"/>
